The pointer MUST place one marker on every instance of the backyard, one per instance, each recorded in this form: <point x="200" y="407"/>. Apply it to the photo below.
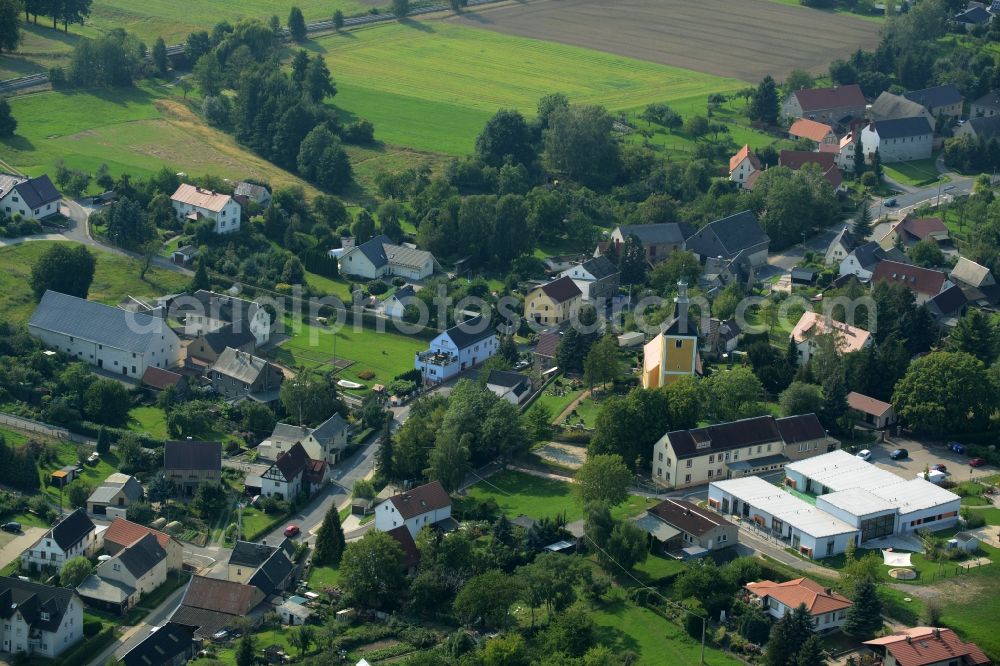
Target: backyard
<point x="918" y="173"/>
<point x="148" y="420"/>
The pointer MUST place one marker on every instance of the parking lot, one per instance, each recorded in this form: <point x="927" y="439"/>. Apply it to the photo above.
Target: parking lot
<point x="922" y="456"/>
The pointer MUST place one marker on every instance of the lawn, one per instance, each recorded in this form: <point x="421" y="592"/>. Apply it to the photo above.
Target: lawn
<point x="321" y="578"/>
<point x="149" y="420"/>
<point x="385" y="353"/>
<point x="918" y="173"/>
<point x="518" y="493"/>
<point x="93" y="475"/>
<point x="558" y="398"/>
<point x="40" y="48"/>
<point x="622" y="626"/>
<point x="114" y="277"/>
<point x="447" y="80"/>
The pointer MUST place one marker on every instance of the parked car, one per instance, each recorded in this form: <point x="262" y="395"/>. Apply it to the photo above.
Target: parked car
<point x="12" y="526"/>
<point x="977" y="462"/>
<point x="956" y="447"/>
<point x="890" y="202"/>
<point x="899" y="454"/>
<point x="521" y="365"/>
<point x="93" y="458"/>
<point x="939" y="467"/>
<point x="292" y="530"/>
<point x="864" y="454"/>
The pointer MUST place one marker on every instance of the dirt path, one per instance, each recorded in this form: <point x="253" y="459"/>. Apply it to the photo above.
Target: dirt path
<point x="573" y="405"/>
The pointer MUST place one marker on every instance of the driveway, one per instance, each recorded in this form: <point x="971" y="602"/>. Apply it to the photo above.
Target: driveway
<point x="12" y="548"/>
<point x="923" y="455"/>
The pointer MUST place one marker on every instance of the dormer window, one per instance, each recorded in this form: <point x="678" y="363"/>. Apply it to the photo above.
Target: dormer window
<point x="43" y="615"/>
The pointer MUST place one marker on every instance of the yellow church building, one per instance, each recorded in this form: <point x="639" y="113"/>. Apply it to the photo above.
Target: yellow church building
<point x="673" y="353"/>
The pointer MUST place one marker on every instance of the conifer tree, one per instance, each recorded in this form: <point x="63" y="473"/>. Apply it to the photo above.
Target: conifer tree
<point x="329" y="540"/>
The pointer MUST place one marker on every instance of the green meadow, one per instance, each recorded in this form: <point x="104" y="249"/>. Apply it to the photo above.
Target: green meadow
<point x="432" y="86"/>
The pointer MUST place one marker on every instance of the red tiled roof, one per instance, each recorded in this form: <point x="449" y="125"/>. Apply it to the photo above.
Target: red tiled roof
<point x="922" y="646"/>
<point x="315" y="471"/>
<point x="817" y="99"/>
<point x="866" y="404"/>
<point x="159" y="378"/>
<point x="915" y="278"/>
<point x="810" y="129"/>
<point x="744" y="153"/>
<point x="796" y="159"/>
<point x="547" y="344"/>
<point x="221" y="596"/>
<point x="818" y="599"/>
<point x="125" y="533"/>
<point x="421" y="499"/>
<point x="405" y="540"/>
<point x="922" y="227"/>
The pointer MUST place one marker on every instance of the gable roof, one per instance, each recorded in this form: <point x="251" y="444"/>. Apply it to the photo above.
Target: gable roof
<point x="974" y="15"/>
<point x="971" y="273"/>
<point x="411" y="555"/>
<point x="221" y="596"/>
<point x="800" y="428"/>
<point x="241" y="366"/>
<point x="71" y="529"/>
<point x="818" y="99"/>
<point x="125" y="533"/>
<point x="547" y="344"/>
<point x="250" y="553"/>
<point x="922" y="227"/>
<point x="291" y="462"/>
<point x="741" y="155"/>
<point x="226" y="336"/>
<point x="849" y="338"/>
<point x="330" y="428"/>
<point x="200" y="198"/>
<point x="732" y="234"/>
<point x="128" y="485"/>
<point x="652" y="234"/>
<point x="31" y="599"/>
<point x="948" y="302"/>
<point x="845" y="238"/>
<point x="793" y="593"/>
<point x="796" y="159"/>
<point x="915" y="278"/>
<point x="888" y="106"/>
<point x="161" y="646"/>
<point x="469" y="332"/>
<point x="34" y="192"/>
<point x="159" y="378"/>
<point x="989" y="100"/>
<point x="810" y="129"/>
<point x="273" y="572"/>
<point x="985" y="126"/>
<point x="192" y="454"/>
<point x="506" y="378"/>
<point x="600" y="267"/>
<point x="420" y="500"/>
<point x="95" y="322"/>
<point x="561" y="290"/>
<point x="869" y="254"/>
<point x="898" y="128"/>
<point x="374" y="250"/>
<point x="251" y="190"/>
<point x="688" y="517"/>
<point x="410" y="257"/>
<point x="922" y="646"/>
<point x="867" y="404"/>
<point x="723" y="436"/>
<point x="141" y="556"/>
<point x="935" y="96"/>
<point x="223" y="307"/>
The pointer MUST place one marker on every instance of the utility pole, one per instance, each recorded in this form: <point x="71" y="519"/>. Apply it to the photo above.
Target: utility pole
<point x="704" y="620"/>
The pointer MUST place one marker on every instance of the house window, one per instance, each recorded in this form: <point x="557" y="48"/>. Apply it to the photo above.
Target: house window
<point x="659" y="471"/>
<point x="678" y="344"/>
<point x="688" y="463"/>
<point x="710" y="474"/>
<point x="687" y="478"/>
<point x="711" y="459"/>
<point x="661" y="456"/>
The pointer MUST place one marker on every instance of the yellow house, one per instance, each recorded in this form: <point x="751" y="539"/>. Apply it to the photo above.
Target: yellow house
<point x="673" y="353"/>
<point x="553" y="303"/>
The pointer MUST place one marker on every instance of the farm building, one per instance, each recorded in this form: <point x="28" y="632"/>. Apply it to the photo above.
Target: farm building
<point x="899" y="140"/>
<point x="738" y="235"/>
<point x="826" y="105"/>
<point x="380" y="257"/>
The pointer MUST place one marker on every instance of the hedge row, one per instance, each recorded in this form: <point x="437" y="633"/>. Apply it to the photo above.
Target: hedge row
<point x="85" y="650"/>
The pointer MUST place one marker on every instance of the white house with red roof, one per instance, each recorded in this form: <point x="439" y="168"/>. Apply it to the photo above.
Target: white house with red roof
<point x="814" y="324"/>
<point x="743" y="165"/>
<point x="827" y="608"/>
<point x="192" y="203"/>
<point x="123" y="533"/>
<point x="843" y="151"/>
<point x="424" y="505"/>
<point x="927" y="646"/>
<point x="925" y="283"/>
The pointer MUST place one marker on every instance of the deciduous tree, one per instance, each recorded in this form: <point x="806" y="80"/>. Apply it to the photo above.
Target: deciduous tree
<point x="603" y="478"/>
<point x="371" y="571"/>
<point x="74" y="571"/>
<point x="934" y="397"/>
<point x="64" y="267"/>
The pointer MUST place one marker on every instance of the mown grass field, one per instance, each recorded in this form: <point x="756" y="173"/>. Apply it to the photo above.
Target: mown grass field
<point x="432" y="86"/>
<point x="114" y="277"/>
<point x="918" y="173"/>
<point x="151" y="420"/>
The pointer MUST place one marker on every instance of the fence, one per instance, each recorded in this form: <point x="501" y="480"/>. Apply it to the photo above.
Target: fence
<point x="29" y="425"/>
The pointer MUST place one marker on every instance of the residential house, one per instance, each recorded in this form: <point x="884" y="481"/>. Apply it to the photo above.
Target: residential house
<point x="326" y="441"/>
<point x="898" y="140"/>
<point x="685" y="458"/>
<point x="159" y="379"/>
<point x="74" y="535"/>
<point x="108" y="338"/>
<point x="836" y="105"/>
<point x="888" y="106"/>
<point x="976" y="282"/>
<point x="545" y="351"/>
<point x="720" y="338"/>
<point x="123" y="533"/>
<point x="395" y="304"/>
<point x="840" y="247"/>
<point x="729" y="237"/>
<point x="113" y="495"/>
<point x="673" y="353"/>
<point x="911" y="230"/>
<point x="192" y="204"/>
<point x="414" y="509"/>
<point x="827" y="608"/>
<point x="986" y="106"/>
<point x="948" y="307"/>
<point x="678" y="525"/>
<point x="209" y="345"/>
<point x="861" y="262"/>
<point x="938" y="100"/>
<point x="31" y="198"/>
<point x="248" y="557"/>
<point x="717" y="273"/>
<point x="796" y="159"/>
<point x="927" y="646"/>
<point x="973" y="17"/>
<point x="380" y="257"/>
<point x="658" y="240"/>
<point x="283" y="479"/>
<point x="118" y="584"/>
<point x="213" y="605"/>
<point x="237" y="375"/>
<point x="843" y="151"/>
<point x="252" y="192"/>
<point x="874" y="412"/>
<point x="743" y="165"/>
<point x="597" y="278"/>
<point x="816" y="132"/>
<point x="38" y="619"/>
<point x="463" y="346"/>
<point x="923" y="282"/>
<point x="812" y="325"/>
<point x="276" y="574"/>
<point x="513" y="387"/>
<point x="554" y="302"/>
<point x="170" y="645"/>
<point x="979" y="127"/>
<point x="183" y="256"/>
<point x="206" y="311"/>
<point x="188" y="464"/>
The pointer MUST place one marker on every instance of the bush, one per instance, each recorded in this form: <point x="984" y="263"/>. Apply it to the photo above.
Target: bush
<point x="973" y="519"/>
<point x="366" y="375"/>
<point x="91" y="628"/>
<point x="377" y="287"/>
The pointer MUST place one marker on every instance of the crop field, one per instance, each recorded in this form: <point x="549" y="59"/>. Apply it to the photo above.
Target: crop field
<point x="744" y="40"/>
<point x="433" y="85"/>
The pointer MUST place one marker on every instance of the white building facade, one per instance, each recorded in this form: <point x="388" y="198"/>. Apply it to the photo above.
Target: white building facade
<point x="459" y="348"/>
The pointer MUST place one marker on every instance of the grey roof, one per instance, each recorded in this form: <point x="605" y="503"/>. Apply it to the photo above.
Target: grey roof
<point x="161" y="646"/>
<point x="402" y="255"/>
<point x="250" y="553"/>
<point x="33" y="598"/>
<point x="37" y="191"/>
<point x="936" y="96"/>
<point x="94" y="322"/>
<point x="974" y="15"/>
<point x="241" y="366"/>
<point x="191" y="454"/>
<point x="207" y="621"/>
<point x="223" y="307"/>
<point x="224" y="337"/>
<point x="990" y="99"/>
<point x="251" y="190"/>
<point x="330" y="428"/>
<point x="970" y="272"/>
<point x="600" y="267"/>
<point x="273" y="573"/>
<point x="846" y="239"/>
<point x="948" y="302"/>
<point x="105" y="492"/>
<point x="985" y="126"/>
<point x="289" y="433"/>
<point x="374" y="249"/>
<point x="406" y="291"/>
<point x="651" y="234"/>
<point x="728" y="236"/>
<point x="187" y="250"/>
<point x="888" y="106"/>
<point x="506" y="378"/>
<point x="902" y="127"/>
<point x="71" y="529"/>
<point x="100" y="589"/>
<point x="141" y="556"/>
<point x="470" y="332"/>
<point x="869" y="254"/>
